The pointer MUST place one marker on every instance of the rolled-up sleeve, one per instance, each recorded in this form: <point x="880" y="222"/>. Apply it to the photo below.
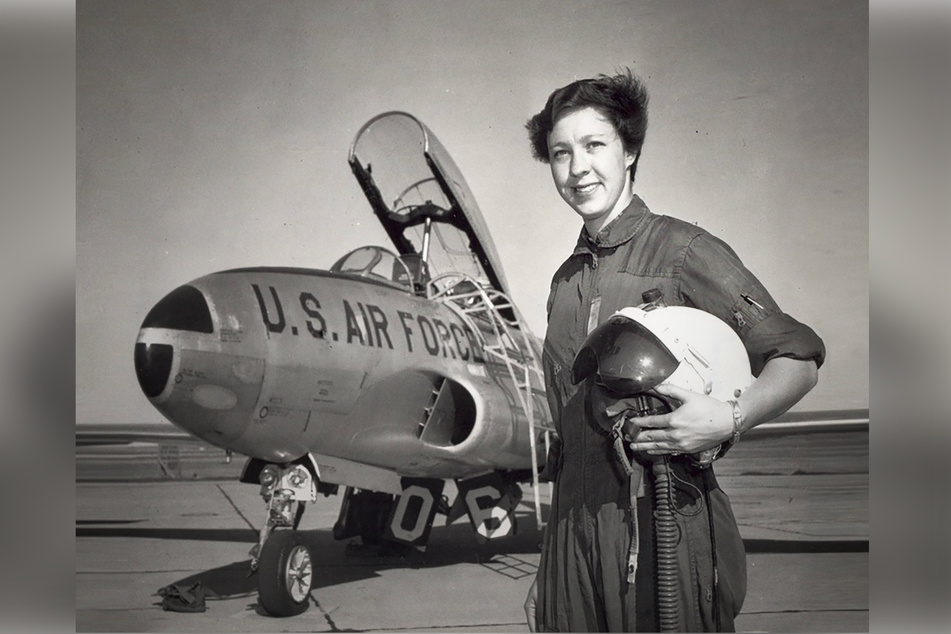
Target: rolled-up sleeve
<point x="713" y="278"/>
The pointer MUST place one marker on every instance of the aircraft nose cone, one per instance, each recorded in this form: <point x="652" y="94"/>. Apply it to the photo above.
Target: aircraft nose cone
<point x="184" y="309"/>
<point x="153" y="365"/>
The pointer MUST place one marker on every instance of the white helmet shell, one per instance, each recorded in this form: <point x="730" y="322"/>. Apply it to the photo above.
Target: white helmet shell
<point x="705" y="354"/>
<point x="712" y="358"/>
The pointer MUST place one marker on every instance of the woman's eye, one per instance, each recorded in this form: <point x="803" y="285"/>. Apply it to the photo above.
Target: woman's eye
<point x="557" y="154"/>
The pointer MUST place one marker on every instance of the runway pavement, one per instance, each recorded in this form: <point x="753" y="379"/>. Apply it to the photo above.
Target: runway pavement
<point x="147" y="518"/>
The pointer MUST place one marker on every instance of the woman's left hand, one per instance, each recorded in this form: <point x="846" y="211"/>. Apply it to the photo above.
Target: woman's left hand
<point x="701" y="422"/>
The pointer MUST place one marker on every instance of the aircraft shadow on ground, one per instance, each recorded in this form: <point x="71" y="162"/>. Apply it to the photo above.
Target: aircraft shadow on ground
<point x="343" y="561"/>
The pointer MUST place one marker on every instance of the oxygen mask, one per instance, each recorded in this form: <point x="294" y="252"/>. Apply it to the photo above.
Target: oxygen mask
<point x="619" y="413"/>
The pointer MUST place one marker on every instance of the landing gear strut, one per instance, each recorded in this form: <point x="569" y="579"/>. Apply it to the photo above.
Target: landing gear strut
<point x="280" y="558"/>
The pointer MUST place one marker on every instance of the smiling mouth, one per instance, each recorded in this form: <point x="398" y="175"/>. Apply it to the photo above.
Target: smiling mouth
<point x="584" y="190"/>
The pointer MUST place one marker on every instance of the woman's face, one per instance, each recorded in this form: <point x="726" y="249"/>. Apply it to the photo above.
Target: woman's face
<point x="590" y="166"/>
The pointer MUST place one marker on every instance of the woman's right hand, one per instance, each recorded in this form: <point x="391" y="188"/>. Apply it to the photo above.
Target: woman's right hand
<point x="530" y="605"/>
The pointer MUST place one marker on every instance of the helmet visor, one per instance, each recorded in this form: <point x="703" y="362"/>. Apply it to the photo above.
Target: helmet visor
<point x="625" y="357"/>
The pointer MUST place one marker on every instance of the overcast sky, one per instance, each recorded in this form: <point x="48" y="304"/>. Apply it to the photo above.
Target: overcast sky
<point x="213" y="135"/>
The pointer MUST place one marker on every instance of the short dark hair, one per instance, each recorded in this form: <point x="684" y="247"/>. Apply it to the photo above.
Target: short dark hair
<point x="621" y="98"/>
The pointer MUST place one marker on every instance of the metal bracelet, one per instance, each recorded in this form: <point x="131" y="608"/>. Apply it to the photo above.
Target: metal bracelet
<point x="737" y="417"/>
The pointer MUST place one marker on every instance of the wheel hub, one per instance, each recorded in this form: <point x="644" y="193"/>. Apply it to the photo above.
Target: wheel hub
<point x="299" y="573"/>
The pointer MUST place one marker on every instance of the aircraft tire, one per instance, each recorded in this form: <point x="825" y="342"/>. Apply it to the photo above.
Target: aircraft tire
<point x="285" y="574"/>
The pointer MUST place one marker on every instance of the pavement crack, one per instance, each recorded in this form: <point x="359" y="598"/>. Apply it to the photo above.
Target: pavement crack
<point x="328" y="618"/>
<point x="236" y="509"/>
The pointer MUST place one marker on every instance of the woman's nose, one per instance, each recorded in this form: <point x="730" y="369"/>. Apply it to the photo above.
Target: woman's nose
<point x="579" y="164"/>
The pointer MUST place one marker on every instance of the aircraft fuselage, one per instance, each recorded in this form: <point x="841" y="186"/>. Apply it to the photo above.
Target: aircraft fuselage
<point x="273" y="363"/>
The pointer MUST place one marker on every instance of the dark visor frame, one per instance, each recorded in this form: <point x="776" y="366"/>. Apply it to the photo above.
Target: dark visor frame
<point x="624" y="357"/>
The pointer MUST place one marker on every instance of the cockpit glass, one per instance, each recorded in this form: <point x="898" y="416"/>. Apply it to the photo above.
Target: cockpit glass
<point x="378" y="264"/>
<point x="393" y="150"/>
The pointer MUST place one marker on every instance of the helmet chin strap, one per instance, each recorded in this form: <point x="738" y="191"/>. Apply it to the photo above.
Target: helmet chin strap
<point x="614" y="414"/>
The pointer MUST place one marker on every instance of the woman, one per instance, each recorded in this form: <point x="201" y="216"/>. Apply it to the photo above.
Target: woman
<point x="591" y="133"/>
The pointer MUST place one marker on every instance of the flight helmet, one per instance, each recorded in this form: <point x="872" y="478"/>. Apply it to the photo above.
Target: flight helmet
<point x="640" y="348"/>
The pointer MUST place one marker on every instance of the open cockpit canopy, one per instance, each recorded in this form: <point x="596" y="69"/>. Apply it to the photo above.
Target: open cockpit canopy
<point x="422" y="200"/>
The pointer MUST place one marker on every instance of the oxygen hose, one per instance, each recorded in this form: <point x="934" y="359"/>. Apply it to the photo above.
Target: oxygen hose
<point x="666" y="534"/>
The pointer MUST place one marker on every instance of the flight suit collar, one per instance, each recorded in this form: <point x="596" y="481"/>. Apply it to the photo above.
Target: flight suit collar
<point x="617" y="232"/>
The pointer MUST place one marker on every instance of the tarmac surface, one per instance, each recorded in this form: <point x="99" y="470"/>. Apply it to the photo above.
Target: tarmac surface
<point x="149" y="516"/>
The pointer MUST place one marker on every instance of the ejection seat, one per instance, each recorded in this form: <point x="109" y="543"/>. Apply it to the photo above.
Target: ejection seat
<point x="416" y="269"/>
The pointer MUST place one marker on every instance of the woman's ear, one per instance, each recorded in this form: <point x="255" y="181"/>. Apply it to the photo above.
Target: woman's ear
<point x="630" y="158"/>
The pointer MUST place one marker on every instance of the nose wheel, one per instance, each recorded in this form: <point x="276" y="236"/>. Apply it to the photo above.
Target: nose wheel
<point x="285" y="574"/>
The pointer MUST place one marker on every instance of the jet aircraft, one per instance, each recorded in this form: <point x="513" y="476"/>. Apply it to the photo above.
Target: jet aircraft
<point x="397" y="369"/>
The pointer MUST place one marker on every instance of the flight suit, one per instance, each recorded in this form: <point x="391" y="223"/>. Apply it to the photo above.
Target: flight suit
<point x="582" y="577"/>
